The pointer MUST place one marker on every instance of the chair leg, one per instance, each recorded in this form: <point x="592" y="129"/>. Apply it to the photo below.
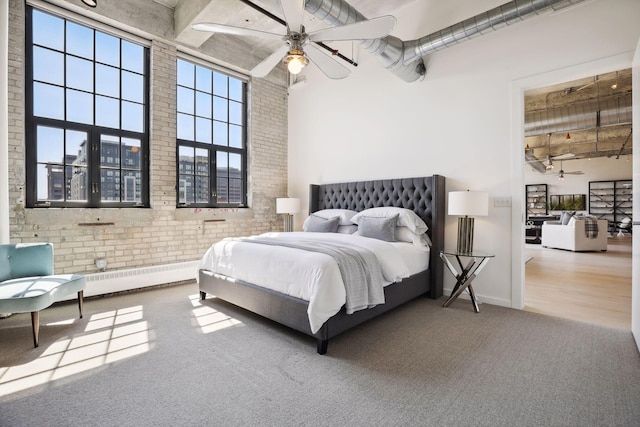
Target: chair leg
<point x="35" y="325"/>
<point x="80" y="301"/>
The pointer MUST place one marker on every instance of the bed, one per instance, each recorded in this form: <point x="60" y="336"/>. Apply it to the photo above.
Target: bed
<point x="423" y="195"/>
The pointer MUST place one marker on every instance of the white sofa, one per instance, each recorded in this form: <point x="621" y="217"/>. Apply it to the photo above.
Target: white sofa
<point x="572" y="236"/>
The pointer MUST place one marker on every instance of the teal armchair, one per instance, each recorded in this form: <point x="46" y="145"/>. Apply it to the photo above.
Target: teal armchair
<point x="28" y="283"/>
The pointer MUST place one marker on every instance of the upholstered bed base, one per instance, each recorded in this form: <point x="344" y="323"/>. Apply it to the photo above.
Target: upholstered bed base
<point x="292" y="312"/>
<point x="424" y="195"/>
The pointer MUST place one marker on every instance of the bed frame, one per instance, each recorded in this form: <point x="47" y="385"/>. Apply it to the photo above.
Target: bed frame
<point x="423" y="195"/>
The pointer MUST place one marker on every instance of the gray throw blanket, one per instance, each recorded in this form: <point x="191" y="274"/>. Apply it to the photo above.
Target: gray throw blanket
<point x="590" y="226"/>
<point x="360" y="269"/>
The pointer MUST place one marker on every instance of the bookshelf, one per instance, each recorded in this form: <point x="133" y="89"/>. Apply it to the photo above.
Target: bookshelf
<point x="611" y="200"/>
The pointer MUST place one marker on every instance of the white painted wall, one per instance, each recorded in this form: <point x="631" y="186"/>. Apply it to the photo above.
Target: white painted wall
<point x="460" y="121"/>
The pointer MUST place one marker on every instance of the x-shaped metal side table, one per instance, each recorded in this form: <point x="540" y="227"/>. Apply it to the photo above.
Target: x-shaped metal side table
<point x="466" y="275"/>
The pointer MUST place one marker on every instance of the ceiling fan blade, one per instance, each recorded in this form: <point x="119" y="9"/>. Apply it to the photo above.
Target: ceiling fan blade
<point x="574" y="173"/>
<point x="375" y="28"/>
<point x="329" y="66"/>
<point x="563" y="156"/>
<point x="236" y="31"/>
<point x="263" y="68"/>
<point x="293" y="11"/>
<point x="595" y="80"/>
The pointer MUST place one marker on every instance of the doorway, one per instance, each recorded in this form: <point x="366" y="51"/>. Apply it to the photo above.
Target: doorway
<point x="553" y="263"/>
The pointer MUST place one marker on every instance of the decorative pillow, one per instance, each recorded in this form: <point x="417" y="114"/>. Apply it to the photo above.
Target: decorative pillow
<point x="406" y="217"/>
<point x="318" y="224"/>
<point x="347" y="229"/>
<point x="378" y="227"/>
<point x="565" y="216"/>
<point x="345" y="215"/>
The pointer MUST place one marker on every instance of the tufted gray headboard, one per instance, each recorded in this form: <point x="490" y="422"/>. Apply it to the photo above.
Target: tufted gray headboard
<point x="424" y="195"/>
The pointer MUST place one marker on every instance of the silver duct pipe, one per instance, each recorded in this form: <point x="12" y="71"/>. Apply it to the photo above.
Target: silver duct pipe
<point x="613" y="110"/>
<point x="389" y="50"/>
<point x="491" y="20"/>
<point x="404" y="59"/>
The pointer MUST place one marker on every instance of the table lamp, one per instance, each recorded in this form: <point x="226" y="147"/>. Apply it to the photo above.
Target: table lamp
<point x="287" y="206"/>
<point x="466" y="205"/>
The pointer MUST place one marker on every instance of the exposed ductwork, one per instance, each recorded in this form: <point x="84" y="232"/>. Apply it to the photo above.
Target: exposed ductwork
<point x="491" y="20"/>
<point x="595" y="113"/>
<point x="404" y="59"/>
<point x="390" y="50"/>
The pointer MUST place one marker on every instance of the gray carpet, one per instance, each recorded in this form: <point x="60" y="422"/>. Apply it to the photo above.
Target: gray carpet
<point x="153" y="358"/>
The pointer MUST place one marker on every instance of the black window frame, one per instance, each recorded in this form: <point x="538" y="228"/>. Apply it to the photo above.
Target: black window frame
<point x="214" y="201"/>
<point x="93" y="132"/>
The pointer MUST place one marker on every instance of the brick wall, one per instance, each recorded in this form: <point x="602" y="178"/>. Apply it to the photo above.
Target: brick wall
<point x="163" y="234"/>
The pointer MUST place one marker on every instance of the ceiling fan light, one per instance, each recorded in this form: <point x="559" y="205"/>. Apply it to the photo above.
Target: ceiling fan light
<point x="548" y="164"/>
<point x="295" y="63"/>
<point x="561" y="177"/>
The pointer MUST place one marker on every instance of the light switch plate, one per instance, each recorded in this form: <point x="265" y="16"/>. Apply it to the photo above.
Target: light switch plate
<point x="502" y="202"/>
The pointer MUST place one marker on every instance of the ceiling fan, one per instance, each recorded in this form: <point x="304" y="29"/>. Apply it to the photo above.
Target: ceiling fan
<point x="548" y="162"/>
<point x="298" y="49"/>
<point x="561" y="173"/>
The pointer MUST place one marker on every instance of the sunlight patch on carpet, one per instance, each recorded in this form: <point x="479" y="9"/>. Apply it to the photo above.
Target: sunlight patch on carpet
<point x="108" y="337"/>
<point x="210" y="319"/>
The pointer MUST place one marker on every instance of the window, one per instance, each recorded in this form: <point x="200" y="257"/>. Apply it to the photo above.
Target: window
<point x="87" y="116"/>
<point x="211" y="131"/>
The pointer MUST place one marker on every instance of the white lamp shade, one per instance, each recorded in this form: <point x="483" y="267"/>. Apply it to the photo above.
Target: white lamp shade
<point x="468" y="203"/>
<point x="287" y="205"/>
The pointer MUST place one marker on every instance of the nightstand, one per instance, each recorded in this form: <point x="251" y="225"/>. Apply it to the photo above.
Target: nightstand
<point x="477" y="261"/>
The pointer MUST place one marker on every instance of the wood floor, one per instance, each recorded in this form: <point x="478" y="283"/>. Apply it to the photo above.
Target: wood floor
<point x="592" y="287"/>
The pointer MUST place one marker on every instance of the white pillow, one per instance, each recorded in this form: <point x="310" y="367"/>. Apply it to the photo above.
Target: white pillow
<point x="406" y="217"/>
<point x="344" y="214"/>
<point x="419" y="240"/>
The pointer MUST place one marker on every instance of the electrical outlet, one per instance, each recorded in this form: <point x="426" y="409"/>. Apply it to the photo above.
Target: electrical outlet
<point x="101" y="263"/>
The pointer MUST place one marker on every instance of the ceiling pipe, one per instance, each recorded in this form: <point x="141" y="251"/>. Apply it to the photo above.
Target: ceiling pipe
<point x="404" y="59"/>
<point x="491" y="20"/>
<point x="389" y="50"/>
<point x="594" y="113"/>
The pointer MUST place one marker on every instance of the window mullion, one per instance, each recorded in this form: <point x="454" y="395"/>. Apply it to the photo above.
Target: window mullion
<point x="94" y="190"/>
<point x="213" y="177"/>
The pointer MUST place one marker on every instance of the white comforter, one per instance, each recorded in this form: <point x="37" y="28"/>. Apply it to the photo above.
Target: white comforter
<point x="311" y="276"/>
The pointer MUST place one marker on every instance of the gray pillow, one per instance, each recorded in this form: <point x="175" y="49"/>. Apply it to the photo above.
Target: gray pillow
<point x="566" y="216"/>
<point x="378" y="228"/>
<point x="318" y="224"/>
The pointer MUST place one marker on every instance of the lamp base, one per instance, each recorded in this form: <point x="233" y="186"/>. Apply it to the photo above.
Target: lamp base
<point x="465" y="235"/>
<point x="288" y="223"/>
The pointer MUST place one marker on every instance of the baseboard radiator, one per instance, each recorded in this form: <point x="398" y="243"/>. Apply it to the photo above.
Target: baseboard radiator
<point x="142" y="277"/>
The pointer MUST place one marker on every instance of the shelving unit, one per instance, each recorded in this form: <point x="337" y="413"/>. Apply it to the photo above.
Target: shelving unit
<point x="611" y="200"/>
<point x="536" y="196"/>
